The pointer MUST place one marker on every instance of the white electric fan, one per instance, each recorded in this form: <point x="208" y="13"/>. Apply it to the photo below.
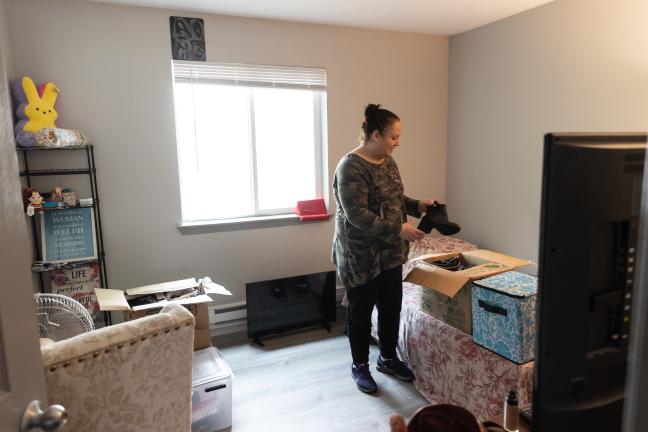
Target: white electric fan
<point x="60" y="317"/>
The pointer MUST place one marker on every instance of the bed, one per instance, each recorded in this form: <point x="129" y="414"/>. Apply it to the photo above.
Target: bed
<point x="449" y="367"/>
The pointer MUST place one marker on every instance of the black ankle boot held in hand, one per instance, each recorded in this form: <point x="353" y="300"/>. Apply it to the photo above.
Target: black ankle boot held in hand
<point x="436" y="217"/>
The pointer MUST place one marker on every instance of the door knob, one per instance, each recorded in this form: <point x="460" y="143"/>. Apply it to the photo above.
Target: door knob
<point x="34" y="418"/>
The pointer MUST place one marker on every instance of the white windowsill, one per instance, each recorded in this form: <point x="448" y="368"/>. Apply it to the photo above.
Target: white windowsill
<point x="236" y="224"/>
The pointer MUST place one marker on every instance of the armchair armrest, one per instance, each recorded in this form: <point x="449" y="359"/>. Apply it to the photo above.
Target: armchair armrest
<point x="135" y="375"/>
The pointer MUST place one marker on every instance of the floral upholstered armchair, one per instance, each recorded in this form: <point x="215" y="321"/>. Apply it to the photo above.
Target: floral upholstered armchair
<point x="132" y="376"/>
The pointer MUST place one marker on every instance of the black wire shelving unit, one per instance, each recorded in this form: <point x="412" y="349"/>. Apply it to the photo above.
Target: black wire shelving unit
<point x="91" y="171"/>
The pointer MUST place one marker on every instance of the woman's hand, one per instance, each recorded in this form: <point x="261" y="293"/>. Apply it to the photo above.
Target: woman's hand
<point x="397" y="424"/>
<point x="423" y="205"/>
<point x="410" y="233"/>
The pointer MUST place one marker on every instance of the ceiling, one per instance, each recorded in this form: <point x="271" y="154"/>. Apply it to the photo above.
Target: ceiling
<point x="438" y="17"/>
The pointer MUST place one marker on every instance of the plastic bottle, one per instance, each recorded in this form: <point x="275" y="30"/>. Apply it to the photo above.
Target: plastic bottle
<point x="511" y="418"/>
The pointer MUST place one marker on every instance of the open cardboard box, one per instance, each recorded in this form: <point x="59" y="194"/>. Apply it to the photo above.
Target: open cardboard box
<point x="448" y="295"/>
<point x="149" y="299"/>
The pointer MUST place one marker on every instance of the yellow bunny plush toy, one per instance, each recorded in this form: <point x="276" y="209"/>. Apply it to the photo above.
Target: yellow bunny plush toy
<point x="36" y="116"/>
<point x="36" y="111"/>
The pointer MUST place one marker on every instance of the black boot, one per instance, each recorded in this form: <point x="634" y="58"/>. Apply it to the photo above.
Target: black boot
<point x="437" y="217"/>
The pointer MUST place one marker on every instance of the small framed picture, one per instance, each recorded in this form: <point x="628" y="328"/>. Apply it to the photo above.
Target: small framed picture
<point x="187" y="38"/>
<point x="69" y="197"/>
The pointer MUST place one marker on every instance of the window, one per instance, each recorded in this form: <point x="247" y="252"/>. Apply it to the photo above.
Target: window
<point x="250" y="138"/>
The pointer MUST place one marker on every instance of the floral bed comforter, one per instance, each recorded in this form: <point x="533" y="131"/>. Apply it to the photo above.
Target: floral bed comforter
<point x="449" y="366"/>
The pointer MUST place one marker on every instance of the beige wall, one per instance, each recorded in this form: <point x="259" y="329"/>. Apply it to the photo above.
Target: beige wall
<point x="571" y="65"/>
<point x="112" y="64"/>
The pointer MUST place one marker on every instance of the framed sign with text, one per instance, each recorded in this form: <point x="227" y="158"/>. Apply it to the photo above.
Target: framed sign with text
<point x="78" y="281"/>
<point x="68" y="235"/>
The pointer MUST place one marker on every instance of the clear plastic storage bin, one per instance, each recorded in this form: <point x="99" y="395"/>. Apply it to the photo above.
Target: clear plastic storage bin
<point x="211" y="396"/>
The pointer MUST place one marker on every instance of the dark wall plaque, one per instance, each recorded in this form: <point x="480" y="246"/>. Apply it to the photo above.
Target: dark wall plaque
<point x="187" y="38"/>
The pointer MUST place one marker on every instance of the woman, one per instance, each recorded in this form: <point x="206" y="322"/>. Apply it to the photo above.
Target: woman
<point x="371" y="242"/>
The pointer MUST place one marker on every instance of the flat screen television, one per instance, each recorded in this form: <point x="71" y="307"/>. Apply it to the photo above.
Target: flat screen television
<point x="278" y="305"/>
<point x="590" y="213"/>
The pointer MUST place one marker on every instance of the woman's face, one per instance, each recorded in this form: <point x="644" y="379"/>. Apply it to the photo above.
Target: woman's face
<point x="388" y="141"/>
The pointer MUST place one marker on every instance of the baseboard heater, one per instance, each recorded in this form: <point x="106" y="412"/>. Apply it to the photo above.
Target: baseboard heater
<point x="227" y="319"/>
<point x="279" y="305"/>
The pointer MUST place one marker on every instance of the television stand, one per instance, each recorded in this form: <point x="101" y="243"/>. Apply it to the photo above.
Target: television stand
<point x="257" y="339"/>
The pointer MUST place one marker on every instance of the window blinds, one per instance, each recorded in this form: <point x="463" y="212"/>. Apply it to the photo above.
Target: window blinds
<point x="249" y="75"/>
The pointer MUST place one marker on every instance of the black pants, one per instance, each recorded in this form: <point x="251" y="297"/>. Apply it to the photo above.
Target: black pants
<point x="385" y="291"/>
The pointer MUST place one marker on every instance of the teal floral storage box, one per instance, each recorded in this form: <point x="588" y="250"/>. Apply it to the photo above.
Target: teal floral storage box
<point x="504" y="314"/>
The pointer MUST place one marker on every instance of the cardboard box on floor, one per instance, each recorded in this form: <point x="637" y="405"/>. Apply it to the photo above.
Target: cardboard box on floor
<point x="447" y="294"/>
<point x="149" y="299"/>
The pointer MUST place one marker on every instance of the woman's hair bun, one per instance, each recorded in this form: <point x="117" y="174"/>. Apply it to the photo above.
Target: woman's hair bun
<point x="376" y="119"/>
<point x="371" y="110"/>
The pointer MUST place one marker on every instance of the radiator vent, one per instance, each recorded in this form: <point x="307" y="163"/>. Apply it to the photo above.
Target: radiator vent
<point x="228" y="318"/>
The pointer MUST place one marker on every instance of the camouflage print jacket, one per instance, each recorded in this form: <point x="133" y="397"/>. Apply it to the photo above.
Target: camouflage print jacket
<point x="371" y="208"/>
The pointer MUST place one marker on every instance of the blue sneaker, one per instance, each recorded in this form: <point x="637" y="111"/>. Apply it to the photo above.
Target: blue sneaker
<point x="395" y="367"/>
<point x="363" y="378"/>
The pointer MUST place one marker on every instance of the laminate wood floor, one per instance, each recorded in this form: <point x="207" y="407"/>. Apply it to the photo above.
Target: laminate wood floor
<point x="302" y="382"/>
